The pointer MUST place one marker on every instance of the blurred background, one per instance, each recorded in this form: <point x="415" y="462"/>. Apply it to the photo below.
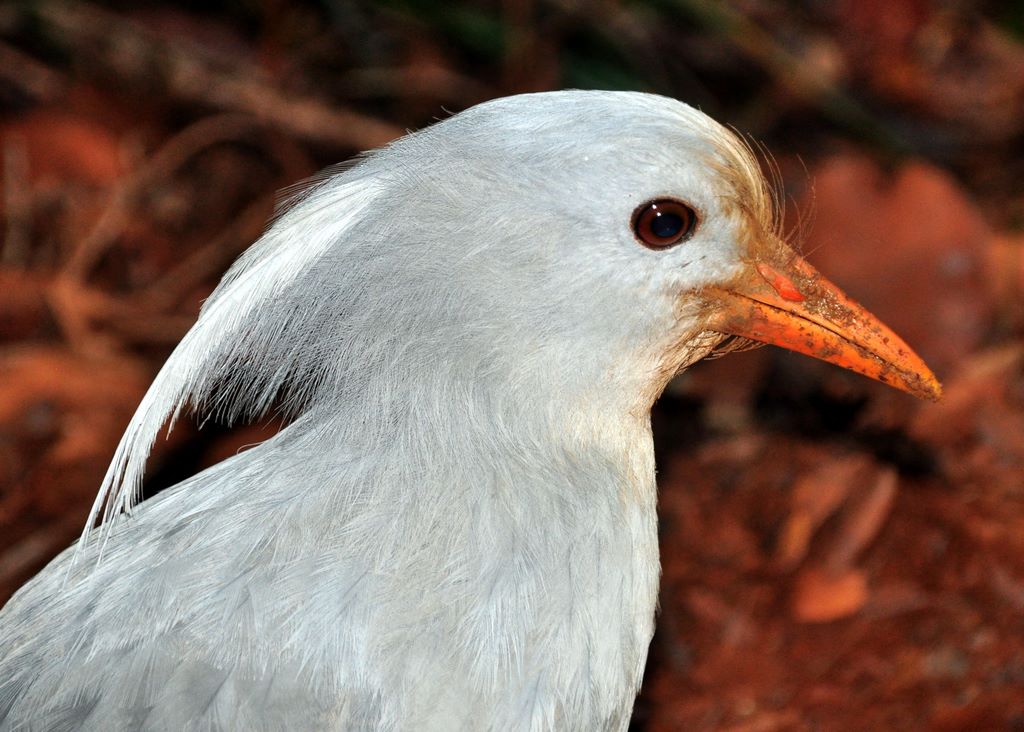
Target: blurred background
<point x="837" y="556"/>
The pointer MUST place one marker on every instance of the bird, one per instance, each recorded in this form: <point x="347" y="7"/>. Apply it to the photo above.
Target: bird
<point x="456" y="529"/>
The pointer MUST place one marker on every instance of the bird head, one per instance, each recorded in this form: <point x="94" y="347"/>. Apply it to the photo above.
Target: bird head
<point x="544" y="249"/>
<point x="616" y="233"/>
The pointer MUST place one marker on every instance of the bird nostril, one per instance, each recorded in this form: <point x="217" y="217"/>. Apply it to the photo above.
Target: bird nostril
<point x="782" y="284"/>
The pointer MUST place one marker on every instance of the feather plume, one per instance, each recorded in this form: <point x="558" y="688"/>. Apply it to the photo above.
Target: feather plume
<point x="213" y="361"/>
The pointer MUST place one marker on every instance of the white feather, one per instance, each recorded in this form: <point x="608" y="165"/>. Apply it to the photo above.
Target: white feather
<point x="457" y="528"/>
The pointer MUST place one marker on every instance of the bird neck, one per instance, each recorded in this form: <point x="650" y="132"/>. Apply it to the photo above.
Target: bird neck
<point x="527" y="532"/>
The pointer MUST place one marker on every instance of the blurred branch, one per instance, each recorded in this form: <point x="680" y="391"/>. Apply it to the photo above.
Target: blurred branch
<point x="28" y="75"/>
<point x="171" y="156"/>
<point x="139" y="59"/>
<point x="15" y="246"/>
<point x="793" y="72"/>
<point x="212" y="258"/>
<point x="77" y="306"/>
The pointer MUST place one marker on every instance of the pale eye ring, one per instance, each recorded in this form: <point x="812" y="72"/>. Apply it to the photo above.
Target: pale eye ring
<point x="663" y="223"/>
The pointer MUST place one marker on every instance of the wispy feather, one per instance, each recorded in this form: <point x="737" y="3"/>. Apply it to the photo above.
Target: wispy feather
<point x="215" y="360"/>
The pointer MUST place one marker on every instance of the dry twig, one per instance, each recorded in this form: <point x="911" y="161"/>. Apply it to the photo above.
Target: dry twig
<point x="171" y="156"/>
<point x="17" y="230"/>
<point x="30" y="76"/>
<point x="139" y="59"/>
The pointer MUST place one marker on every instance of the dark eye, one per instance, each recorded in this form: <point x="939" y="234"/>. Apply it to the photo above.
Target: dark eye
<point x="663" y="223"/>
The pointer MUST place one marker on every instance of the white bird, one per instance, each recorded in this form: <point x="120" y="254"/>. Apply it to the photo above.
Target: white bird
<point x="457" y="529"/>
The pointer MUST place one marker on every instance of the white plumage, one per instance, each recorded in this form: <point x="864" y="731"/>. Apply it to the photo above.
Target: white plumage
<point x="457" y="530"/>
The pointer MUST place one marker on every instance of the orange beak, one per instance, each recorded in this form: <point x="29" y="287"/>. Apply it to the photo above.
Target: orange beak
<point x="792" y="305"/>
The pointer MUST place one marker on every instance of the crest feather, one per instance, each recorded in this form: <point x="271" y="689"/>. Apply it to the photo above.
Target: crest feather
<point x="213" y="365"/>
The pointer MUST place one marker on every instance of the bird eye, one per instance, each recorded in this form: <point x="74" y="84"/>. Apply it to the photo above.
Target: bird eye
<point x="663" y="223"/>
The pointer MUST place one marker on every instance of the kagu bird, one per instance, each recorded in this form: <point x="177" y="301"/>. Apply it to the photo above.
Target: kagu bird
<point x="456" y="530"/>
